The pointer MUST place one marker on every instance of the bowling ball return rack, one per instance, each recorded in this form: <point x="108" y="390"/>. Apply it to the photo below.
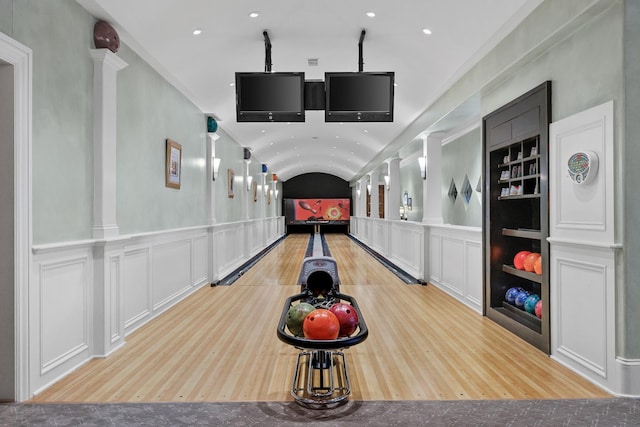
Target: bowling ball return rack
<point x="321" y="377"/>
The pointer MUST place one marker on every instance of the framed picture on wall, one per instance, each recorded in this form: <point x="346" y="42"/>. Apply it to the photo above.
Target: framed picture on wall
<point x="173" y="164"/>
<point x="255" y="191"/>
<point x="230" y="176"/>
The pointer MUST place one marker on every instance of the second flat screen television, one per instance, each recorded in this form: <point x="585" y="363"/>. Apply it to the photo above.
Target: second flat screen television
<point x="270" y="97"/>
<point x="359" y="97"/>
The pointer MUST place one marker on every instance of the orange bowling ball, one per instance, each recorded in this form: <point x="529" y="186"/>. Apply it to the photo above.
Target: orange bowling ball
<point x="518" y="260"/>
<point x="530" y="260"/>
<point x="321" y="324"/>
<point x="537" y="266"/>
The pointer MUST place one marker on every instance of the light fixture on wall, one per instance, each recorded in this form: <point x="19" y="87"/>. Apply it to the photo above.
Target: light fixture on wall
<point x="422" y="161"/>
<point x="212" y="126"/>
<point x="369" y="189"/>
<point x="249" y="182"/>
<point x="215" y="161"/>
<point x="387" y="179"/>
<point x="358" y="193"/>
<point x="266" y="190"/>
<point x="275" y="193"/>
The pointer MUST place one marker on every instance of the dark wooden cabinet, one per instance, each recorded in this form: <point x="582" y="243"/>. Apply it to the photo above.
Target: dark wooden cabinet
<point x="516" y="211"/>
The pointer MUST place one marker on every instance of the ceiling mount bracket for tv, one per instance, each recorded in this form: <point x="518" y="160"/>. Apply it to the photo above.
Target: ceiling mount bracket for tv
<point x="267" y="52"/>
<point x="360" y="60"/>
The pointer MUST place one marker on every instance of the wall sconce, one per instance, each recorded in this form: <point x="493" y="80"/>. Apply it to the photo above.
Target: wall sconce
<point x="275" y="193"/>
<point x="249" y="182"/>
<point x="387" y="179"/>
<point x="266" y="190"/>
<point x="369" y="189"/>
<point x="216" y="166"/>
<point x="358" y="189"/>
<point x="422" y="161"/>
<point x="402" y="213"/>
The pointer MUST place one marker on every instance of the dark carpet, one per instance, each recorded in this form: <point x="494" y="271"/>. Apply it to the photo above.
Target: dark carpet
<point x="579" y="412"/>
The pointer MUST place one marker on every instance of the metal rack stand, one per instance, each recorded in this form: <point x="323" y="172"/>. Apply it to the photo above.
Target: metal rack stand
<point x="321" y="377"/>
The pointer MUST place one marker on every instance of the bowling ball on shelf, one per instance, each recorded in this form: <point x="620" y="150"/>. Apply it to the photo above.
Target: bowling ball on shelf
<point x="538" y="309"/>
<point x="347" y="316"/>
<point x="530" y="303"/>
<point x="521" y="298"/>
<point x="537" y="266"/>
<point x="511" y="294"/>
<point x="296" y="315"/>
<point x="321" y="324"/>
<point x="518" y="260"/>
<point x="530" y="260"/>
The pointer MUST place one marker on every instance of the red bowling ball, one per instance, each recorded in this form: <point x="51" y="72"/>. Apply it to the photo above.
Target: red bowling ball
<point x="538" y="309"/>
<point x="347" y="316"/>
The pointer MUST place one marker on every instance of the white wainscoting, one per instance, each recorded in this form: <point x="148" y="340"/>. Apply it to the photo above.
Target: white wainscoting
<point x="85" y="297"/>
<point x="448" y="256"/>
<point x="583" y="310"/>
<point x="401" y="242"/>
<point x="60" y="301"/>
<point x="160" y="269"/>
<point x="455" y="262"/>
<point x="584" y="253"/>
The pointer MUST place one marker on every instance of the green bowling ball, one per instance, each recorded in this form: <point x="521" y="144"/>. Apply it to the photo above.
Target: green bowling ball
<point x="295" y="317"/>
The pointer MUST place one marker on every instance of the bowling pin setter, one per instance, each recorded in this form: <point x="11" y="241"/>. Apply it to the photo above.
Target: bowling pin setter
<point x="304" y="205"/>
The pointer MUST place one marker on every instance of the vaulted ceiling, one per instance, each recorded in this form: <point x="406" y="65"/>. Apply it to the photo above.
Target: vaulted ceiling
<point x="203" y="66"/>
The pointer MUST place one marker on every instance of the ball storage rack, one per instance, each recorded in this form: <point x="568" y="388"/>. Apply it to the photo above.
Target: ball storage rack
<point x="321" y="378"/>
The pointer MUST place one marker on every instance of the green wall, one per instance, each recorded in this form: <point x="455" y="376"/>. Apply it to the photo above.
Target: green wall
<point x="150" y="110"/>
<point x="411" y="182"/>
<point x="60" y="34"/>
<point x="462" y="157"/>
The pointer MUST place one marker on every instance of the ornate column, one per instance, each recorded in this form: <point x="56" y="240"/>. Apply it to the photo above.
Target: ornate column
<point x="375" y="212"/>
<point x="393" y="199"/>
<point x="432" y="188"/>
<point x="108" y="319"/>
<point x="105" y="68"/>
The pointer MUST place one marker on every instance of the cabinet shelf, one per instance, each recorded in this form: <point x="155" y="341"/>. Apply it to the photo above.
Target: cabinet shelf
<point x="518" y="161"/>
<point x="521" y="316"/>
<point x="520" y="196"/>
<point x="522" y="232"/>
<point x="516" y="210"/>
<point x="520" y="178"/>
<point x="521" y="273"/>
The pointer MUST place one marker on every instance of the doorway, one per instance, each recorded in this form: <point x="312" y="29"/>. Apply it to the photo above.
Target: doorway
<point x="16" y="78"/>
<point x="7" y="232"/>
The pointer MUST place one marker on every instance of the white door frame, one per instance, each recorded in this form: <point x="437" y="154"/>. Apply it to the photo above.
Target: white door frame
<point x="20" y="57"/>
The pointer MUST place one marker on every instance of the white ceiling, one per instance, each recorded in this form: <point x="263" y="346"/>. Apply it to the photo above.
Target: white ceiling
<point x="204" y="66"/>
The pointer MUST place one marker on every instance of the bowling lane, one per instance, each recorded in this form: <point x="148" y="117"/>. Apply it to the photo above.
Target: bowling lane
<point x="220" y="344"/>
<point x="281" y="266"/>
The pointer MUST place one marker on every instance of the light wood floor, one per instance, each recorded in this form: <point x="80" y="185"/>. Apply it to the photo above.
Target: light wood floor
<point x="220" y="344"/>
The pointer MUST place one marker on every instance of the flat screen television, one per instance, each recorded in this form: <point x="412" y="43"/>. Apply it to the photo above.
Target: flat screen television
<point x="359" y="97"/>
<point x="317" y="211"/>
<point x="270" y="97"/>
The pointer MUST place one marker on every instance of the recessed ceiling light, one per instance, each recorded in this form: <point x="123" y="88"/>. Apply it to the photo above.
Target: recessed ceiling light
<point x="197" y="31"/>
<point x="232" y="84"/>
<point x="427" y="31"/>
<point x="254" y="14"/>
<point x="371" y="14"/>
